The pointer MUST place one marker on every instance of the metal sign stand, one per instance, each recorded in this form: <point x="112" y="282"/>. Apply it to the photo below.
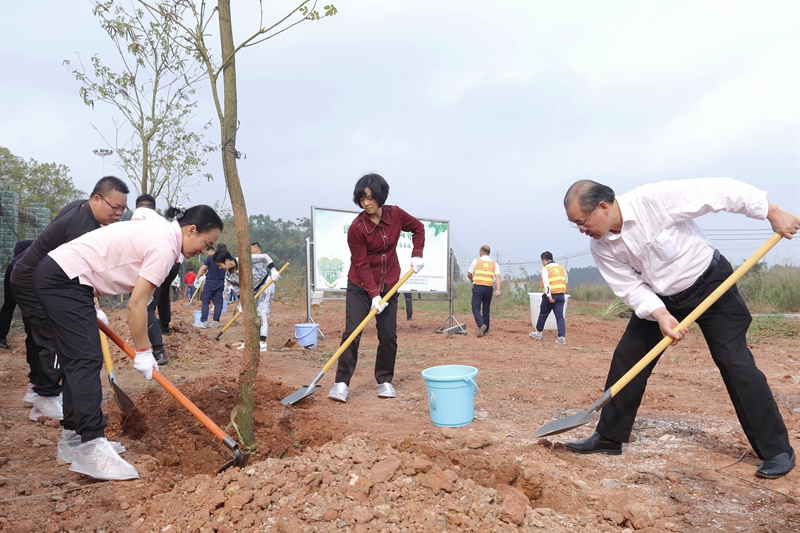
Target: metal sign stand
<point x="454" y="327"/>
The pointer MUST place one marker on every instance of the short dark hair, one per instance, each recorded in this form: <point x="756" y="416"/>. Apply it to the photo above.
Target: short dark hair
<point x="220" y="256"/>
<point x="376" y="184"/>
<point x="588" y="194"/>
<point x="203" y="217"/>
<point x="485" y="248"/>
<point x="145" y="200"/>
<point x="109" y="184"/>
<point x="256" y="244"/>
<point x="547" y="256"/>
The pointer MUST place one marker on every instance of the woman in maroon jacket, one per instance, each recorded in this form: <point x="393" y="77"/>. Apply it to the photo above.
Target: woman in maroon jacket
<point x="374" y="269"/>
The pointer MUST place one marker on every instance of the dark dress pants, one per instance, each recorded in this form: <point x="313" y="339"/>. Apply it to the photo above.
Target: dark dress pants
<point x="724" y="326"/>
<point x="482" y="298"/>
<point x="556" y="307"/>
<point x="9" y="304"/>
<point x="69" y="307"/>
<point x="153" y="326"/>
<point x="47" y="364"/>
<point x="164" y="304"/>
<point x="212" y="292"/>
<point x="357" y="306"/>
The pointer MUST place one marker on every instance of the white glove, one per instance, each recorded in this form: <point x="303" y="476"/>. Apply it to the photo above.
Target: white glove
<point x="145" y="363"/>
<point x="274" y="274"/>
<point x="198" y="282"/>
<point x="101" y="316"/>
<point x="417" y="263"/>
<point x="377" y="305"/>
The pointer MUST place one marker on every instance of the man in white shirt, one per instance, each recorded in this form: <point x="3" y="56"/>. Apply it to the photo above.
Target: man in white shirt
<point x="659" y="262"/>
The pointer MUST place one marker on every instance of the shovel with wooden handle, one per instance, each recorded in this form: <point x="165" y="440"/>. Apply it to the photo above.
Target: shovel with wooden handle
<point x="571" y="422"/>
<point x="122" y="400"/>
<point x="239" y="458"/>
<point x="200" y="288"/>
<point x="238" y="313"/>
<point x="302" y="392"/>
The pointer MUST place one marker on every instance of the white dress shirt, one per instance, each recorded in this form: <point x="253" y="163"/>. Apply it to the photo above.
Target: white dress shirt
<point x="660" y="250"/>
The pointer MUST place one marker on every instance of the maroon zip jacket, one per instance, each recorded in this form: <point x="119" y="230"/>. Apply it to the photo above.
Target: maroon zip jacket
<point x="373" y="248"/>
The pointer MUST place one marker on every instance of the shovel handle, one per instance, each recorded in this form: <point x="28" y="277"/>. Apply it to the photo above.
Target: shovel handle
<point x="106" y="353"/>
<point x="694" y="315"/>
<point x="372" y="313"/>
<point x="238" y="313"/>
<point x="169" y="387"/>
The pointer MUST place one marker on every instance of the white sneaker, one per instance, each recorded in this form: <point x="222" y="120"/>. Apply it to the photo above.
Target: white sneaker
<point x="561" y="340"/>
<point x="536" y="335"/>
<point x="263" y="346"/>
<point x="48" y="406"/>
<point x="213" y="324"/>
<point x="201" y="325"/>
<point x="70" y="440"/>
<point x="98" y="459"/>
<point x="29" y="395"/>
<point x="385" y="390"/>
<point x="339" y="392"/>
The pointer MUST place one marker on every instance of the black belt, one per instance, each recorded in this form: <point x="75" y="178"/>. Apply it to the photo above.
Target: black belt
<point x="679" y="297"/>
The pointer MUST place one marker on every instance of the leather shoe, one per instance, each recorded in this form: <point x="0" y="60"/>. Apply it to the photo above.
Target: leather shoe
<point x="777" y="466"/>
<point x="596" y="444"/>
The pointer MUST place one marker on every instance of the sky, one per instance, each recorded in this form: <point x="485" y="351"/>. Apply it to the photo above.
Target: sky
<point x="476" y="112"/>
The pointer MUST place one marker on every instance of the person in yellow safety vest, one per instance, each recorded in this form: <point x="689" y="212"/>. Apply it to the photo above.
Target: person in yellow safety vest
<point x="554" y="283"/>
<point x="483" y="272"/>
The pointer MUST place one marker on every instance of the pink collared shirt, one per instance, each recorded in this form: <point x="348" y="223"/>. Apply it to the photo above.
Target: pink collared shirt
<point x="110" y="259"/>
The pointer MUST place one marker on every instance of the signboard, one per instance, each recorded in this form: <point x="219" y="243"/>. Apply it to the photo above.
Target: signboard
<point x="331" y="255"/>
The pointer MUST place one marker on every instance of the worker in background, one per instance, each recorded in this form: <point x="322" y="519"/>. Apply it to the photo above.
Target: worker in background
<point x="483" y="272"/>
<point x="554" y="282"/>
<point x="189" y="280"/>
<point x="213" y="286"/>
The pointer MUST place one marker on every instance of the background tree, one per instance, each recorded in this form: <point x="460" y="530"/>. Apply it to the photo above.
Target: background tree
<point x="46" y="183"/>
<point x="157" y="147"/>
<point x="223" y="69"/>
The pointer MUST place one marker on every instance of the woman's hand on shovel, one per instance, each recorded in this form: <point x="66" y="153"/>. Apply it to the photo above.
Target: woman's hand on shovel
<point x="145" y="363"/>
<point x="667" y="323"/>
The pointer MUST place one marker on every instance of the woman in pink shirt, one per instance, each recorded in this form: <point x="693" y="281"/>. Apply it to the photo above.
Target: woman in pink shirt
<point x="115" y="259"/>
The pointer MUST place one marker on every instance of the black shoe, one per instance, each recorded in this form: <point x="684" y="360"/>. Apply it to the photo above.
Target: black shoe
<point x="4" y="344"/>
<point x="777" y="466"/>
<point x="161" y="357"/>
<point x="596" y="444"/>
<point x="408" y="318"/>
<point x="165" y="330"/>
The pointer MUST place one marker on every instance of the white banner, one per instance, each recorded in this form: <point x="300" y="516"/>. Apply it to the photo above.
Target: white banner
<point x="331" y="255"/>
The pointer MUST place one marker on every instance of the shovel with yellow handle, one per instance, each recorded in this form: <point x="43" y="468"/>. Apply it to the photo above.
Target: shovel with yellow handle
<point x="571" y="422"/>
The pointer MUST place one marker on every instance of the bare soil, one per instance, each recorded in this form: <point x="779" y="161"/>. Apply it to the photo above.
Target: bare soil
<point x="380" y="465"/>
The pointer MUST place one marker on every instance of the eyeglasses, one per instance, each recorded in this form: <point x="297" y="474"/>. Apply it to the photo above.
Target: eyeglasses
<point x="115" y="208"/>
<point x="582" y="225"/>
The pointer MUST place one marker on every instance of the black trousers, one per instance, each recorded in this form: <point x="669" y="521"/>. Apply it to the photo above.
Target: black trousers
<point x="164" y="309"/>
<point x="153" y="326"/>
<point x="724" y="326"/>
<point x="48" y="366"/>
<point x="482" y="298"/>
<point x="357" y="306"/>
<point x="409" y="305"/>
<point x="9" y="304"/>
<point x="69" y="307"/>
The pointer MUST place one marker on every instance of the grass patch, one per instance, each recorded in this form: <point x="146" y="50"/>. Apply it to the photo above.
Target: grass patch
<point x="773" y="326"/>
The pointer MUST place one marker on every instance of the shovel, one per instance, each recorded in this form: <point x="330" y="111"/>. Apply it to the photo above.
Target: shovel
<point x="239" y="458"/>
<point x="259" y="293"/>
<point x="571" y="422"/>
<point x="199" y="289"/>
<point x="122" y="400"/>
<point x="302" y="392"/>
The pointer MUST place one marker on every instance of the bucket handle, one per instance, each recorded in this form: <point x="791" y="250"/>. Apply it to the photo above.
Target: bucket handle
<point x="295" y="333"/>
<point x="474" y="385"/>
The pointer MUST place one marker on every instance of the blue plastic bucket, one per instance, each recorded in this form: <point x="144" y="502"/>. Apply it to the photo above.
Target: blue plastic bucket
<point x="306" y="334"/>
<point x="197" y="315"/>
<point x="451" y="394"/>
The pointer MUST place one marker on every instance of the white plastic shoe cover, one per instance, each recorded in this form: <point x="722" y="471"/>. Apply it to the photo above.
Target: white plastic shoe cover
<point x="536" y="335"/>
<point x="263" y="346"/>
<point x="49" y="406"/>
<point x="98" y="459"/>
<point x="29" y="395"/>
<point x="70" y="440"/>
<point x="385" y="390"/>
<point x="339" y="392"/>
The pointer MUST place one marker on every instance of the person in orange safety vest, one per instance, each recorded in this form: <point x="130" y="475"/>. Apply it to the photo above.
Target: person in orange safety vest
<point x="483" y="272"/>
<point x="554" y="283"/>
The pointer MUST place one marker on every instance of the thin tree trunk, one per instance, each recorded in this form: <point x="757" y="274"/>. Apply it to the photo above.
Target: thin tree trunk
<point x="250" y="355"/>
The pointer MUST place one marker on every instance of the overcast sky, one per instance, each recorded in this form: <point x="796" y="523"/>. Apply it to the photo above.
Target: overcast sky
<point x="477" y="112"/>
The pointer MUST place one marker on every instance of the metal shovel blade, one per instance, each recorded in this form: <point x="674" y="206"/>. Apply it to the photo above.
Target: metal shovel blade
<point x="565" y="424"/>
<point x="239" y="460"/>
<point x="122" y="400"/>
<point x="300" y="393"/>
